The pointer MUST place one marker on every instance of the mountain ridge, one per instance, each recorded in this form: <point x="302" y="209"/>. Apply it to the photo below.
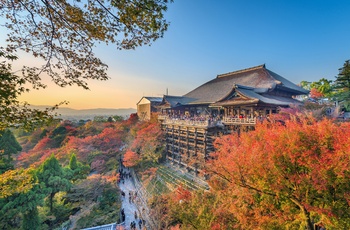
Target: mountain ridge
<point x="73" y="114"/>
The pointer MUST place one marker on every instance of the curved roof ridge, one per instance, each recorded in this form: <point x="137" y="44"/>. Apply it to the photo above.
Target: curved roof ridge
<point x="241" y="71"/>
<point x="243" y="86"/>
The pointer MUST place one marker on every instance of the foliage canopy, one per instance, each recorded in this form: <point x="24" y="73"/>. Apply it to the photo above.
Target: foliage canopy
<point x="63" y="34"/>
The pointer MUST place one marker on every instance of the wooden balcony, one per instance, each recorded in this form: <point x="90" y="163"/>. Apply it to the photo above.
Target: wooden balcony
<point x="239" y="121"/>
<point x="162" y="117"/>
<point x="204" y="124"/>
<point x="207" y="123"/>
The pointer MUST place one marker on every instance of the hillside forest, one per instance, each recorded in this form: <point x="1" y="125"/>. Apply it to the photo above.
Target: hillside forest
<point x="292" y="172"/>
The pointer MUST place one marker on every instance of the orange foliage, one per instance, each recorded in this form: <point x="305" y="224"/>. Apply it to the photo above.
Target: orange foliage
<point x="176" y="227"/>
<point x="42" y="144"/>
<point x="148" y="136"/>
<point x="149" y="174"/>
<point x="182" y="195"/>
<point x="272" y="175"/>
<point x="314" y="93"/>
<point x="130" y="158"/>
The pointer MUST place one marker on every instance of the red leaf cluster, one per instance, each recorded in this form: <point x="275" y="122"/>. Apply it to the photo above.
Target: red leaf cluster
<point x="281" y="171"/>
<point x="130" y="158"/>
<point x="314" y="93"/>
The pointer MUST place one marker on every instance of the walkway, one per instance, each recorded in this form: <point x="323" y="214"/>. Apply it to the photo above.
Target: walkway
<point x="134" y="202"/>
<point x="128" y="203"/>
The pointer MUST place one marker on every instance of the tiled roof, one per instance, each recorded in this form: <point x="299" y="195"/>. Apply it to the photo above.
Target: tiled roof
<point x="257" y="77"/>
<point x="175" y="101"/>
<point x="269" y="99"/>
<point x="154" y="99"/>
<point x="252" y="97"/>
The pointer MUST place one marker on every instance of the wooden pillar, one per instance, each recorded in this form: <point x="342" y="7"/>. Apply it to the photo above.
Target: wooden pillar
<point x="195" y="141"/>
<point x="173" y="140"/>
<point x="187" y="142"/>
<point x="178" y="137"/>
<point x="205" y="144"/>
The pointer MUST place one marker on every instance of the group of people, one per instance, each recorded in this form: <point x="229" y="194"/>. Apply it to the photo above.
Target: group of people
<point x="123" y="215"/>
<point x="194" y="117"/>
<point x="124" y="173"/>
<point x="140" y="223"/>
<point x="132" y="197"/>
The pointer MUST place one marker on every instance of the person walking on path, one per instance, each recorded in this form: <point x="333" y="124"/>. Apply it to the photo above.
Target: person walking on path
<point x="128" y="207"/>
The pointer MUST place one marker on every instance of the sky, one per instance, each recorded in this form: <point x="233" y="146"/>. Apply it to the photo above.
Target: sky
<point x="297" y="39"/>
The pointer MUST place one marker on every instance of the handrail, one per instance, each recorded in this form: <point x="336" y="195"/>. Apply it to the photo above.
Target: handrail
<point x="175" y="121"/>
<point x="207" y="123"/>
<point x="233" y="120"/>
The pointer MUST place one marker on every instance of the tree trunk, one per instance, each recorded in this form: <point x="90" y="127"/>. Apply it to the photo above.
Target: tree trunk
<point x="306" y="215"/>
<point x="51" y="201"/>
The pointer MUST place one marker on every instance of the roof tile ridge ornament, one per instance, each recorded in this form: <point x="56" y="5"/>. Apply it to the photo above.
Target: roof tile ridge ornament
<point x="241" y="71"/>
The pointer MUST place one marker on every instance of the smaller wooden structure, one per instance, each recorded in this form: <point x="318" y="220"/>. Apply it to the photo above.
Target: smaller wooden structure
<point x="146" y="106"/>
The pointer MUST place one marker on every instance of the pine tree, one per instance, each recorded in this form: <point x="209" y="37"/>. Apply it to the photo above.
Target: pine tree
<point x="77" y="169"/>
<point x="51" y="174"/>
<point x="342" y="85"/>
<point x="20" y="194"/>
<point x="8" y="146"/>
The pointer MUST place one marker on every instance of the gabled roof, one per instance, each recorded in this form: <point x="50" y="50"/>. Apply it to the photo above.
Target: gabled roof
<point x="249" y="95"/>
<point x="154" y="99"/>
<point x="175" y="101"/>
<point x="269" y="99"/>
<point x="257" y="77"/>
<point x="151" y="99"/>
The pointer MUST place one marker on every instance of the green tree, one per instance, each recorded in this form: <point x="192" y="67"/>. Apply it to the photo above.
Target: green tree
<point x="78" y="170"/>
<point x="51" y="175"/>
<point x="62" y="34"/>
<point x="8" y="143"/>
<point x="31" y="220"/>
<point x="8" y="146"/>
<point x="20" y="195"/>
<point x="306" y="85"/>
<point x="342" y="85"/>
<point x="118" y="118"/>
<point x="324" y="86"/>
<point x="14" y="113"/>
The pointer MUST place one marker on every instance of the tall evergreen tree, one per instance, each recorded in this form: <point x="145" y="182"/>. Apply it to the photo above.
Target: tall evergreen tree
<point x="52" y="176"/>
<point x="20" y="195"/>
<point x="8" y="146"/>
<point x="77" y="169"/>
<point x="8" y="143"/>
<point x="342" y="85"/>
<point x="31" y="220"/>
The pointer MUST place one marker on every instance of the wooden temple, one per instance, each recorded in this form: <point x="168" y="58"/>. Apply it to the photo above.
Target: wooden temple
<point x="231" y="102"/>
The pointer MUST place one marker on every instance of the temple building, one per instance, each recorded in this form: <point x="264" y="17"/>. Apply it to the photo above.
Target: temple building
<point x="231" y="102"/>
<point x="146" y="106"/>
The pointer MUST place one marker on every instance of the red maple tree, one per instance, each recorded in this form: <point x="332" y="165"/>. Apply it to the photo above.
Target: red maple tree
<point x="293" y="173"/>
<point x="130" y="158"/>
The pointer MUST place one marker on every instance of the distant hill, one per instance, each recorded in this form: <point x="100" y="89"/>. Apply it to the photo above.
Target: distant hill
<point x="84" y="114"/>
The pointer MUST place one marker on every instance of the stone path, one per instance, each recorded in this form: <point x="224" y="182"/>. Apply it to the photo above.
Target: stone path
<point x="131" y="201"/>
<point x="128" y="203"/>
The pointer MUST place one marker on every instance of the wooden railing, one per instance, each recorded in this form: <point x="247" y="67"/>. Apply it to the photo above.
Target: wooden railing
<point x="207" y="123"/>
<point x="162" y="117"/>
<point x="239" y="121"/>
